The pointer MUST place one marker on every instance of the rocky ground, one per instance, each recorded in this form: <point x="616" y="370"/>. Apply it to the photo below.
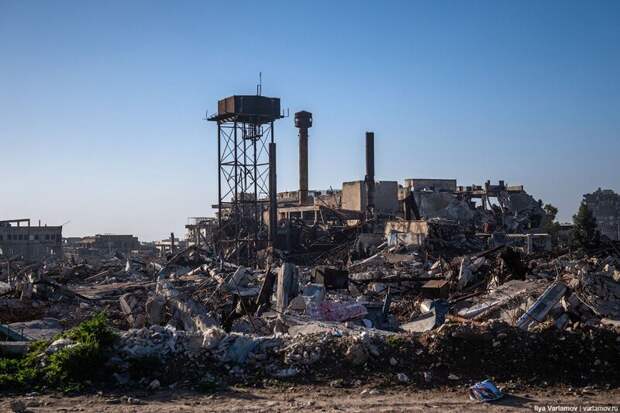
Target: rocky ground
<point x="364" y="398"/>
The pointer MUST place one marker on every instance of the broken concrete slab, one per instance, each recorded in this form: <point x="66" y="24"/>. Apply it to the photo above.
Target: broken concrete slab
<point x="539" y="310"/>
<point x="428" y="321"/>
<point x="601" y="294"/>
<point x="43" y="329"/>
<point x="287" y="285"/>
<point x="193" y="315"/>
<point x="132" y="310"/>
<point x="239" y="280"/>
<point x="155" y="309"/>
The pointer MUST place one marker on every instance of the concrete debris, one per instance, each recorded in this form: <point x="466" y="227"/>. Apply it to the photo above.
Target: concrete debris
<point x="298" y="304"/>
<point x="154" y="309"/>
<point x="539" y="310"/>
<point x="240" y="279"/>
<point x="131" y="307"/>
<point x="356" y="354"/>
<point x="466" y="273"/>
<point x="427" y="321"/>
<point x="287" y="285"/>
<point x="408" y="298"/>
<point x="601" y="294"/>
<point x="60" y="344"/>
<point x="43" y="329"/>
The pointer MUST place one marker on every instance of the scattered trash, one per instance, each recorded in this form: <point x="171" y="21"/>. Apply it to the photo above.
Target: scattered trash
<point x="485" y="391"/>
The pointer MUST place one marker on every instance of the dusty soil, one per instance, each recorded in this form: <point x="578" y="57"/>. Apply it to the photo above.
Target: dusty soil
<point x="325" y="399"/>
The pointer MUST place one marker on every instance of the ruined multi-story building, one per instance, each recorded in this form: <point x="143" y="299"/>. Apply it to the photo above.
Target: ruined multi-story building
<point x="110" y="243"/>
<point x="18" y="238"/>
<point x="605" y="206"/>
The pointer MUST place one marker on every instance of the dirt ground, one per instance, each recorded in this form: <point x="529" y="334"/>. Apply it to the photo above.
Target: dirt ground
<point x="325" y="399"/>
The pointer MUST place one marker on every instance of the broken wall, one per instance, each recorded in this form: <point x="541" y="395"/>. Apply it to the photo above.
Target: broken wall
<point x="443" y="205"/>
<point x="355" y="197"/>
<point x="406" y="232"/>
<point x="448" y="185"/>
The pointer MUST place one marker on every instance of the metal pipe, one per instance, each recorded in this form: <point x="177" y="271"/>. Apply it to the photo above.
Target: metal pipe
<point x="273" y="195"/>
<point x="219" y="175"/>
<point x="235" y="209"/>
<point x="303" y="165"/>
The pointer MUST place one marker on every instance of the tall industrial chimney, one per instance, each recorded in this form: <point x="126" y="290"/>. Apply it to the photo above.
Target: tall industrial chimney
<point x="303" y="121"/>
<point x="370" y="169"/>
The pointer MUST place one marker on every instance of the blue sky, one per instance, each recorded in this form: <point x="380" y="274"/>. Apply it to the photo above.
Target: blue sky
<point x="102" y="103"/>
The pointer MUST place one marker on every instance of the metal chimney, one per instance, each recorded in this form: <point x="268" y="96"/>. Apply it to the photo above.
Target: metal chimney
<point x="370" y="170"/>
<point x="303" y="121"/>
<point x="273" y="196"/>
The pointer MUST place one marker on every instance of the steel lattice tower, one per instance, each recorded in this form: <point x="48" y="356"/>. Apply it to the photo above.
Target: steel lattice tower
<point x="245" y="134"/>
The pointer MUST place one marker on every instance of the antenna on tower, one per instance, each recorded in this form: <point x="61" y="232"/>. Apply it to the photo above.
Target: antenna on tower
<point x="259" y="87"/>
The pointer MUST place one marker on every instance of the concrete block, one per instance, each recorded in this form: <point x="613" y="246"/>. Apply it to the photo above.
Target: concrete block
<point x="287" y="285"/>
<point x="155" y="309"/>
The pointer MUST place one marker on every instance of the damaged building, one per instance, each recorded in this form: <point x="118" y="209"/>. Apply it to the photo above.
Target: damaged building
<point x="605" y="206"/>
<point x="424" y="282"/>
<point x="18" y="238"/>
<point x="309" y="221"/>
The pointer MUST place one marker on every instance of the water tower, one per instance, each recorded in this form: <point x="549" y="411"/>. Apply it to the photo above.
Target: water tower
<point x="246" y="147"/>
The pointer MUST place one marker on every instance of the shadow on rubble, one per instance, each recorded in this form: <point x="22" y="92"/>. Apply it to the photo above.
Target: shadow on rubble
<point x="235" y="394"/>
<point x="510" y="400"/>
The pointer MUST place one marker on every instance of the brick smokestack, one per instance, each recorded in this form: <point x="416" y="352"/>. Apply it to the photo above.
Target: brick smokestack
<point x="303" y="121"/>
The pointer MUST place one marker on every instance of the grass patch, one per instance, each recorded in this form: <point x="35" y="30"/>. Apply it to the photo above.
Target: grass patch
<point x="395" y="341"/>
<point x="67" y="369"/>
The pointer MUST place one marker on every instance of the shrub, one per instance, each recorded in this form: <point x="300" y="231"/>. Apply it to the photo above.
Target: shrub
<point x="66" y="369"/>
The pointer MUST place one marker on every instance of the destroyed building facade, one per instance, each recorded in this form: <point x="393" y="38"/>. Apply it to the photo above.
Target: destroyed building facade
<point x="33" y="242"/>
<point x="252" y="215"/>
<point x="404" y="280"/>
<point x="200" y="230"/>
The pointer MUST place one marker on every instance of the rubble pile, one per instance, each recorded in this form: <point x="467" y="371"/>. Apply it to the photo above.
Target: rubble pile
<point x="456" y="352"/>
<point x="577" y="356"/>
<point x="387" y="310"/>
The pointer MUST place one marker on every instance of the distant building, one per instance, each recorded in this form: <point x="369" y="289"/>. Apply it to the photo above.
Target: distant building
<point x="170" y="245"/>
<point x="201" y="230"/>
<point x="19" y="238"/>
<point x="110" y="243"/>
<point x="605" y="206"/>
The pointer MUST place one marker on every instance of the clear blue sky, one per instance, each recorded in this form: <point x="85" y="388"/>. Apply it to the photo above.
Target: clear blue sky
<point x="102" y="103"/>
